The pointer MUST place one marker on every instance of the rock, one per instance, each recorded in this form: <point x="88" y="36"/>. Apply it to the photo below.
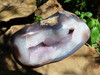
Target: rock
<point x="93" y="70"/>
<point x="10" y="9"/>
<point x="86" y="51"/>
<point x="49" y="8"/>
<point x="14" y="29"/>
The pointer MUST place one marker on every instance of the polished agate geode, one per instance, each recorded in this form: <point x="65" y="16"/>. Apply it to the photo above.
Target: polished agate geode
<point x="50" y="40"/>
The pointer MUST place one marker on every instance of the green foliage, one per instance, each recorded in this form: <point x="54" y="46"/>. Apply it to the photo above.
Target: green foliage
<point x="94" y="25"/>
<point x="95" y="35"/>
<point x="67" y="1"/>
<point x="87" y="17"/>
<point x="38" y="18"/>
